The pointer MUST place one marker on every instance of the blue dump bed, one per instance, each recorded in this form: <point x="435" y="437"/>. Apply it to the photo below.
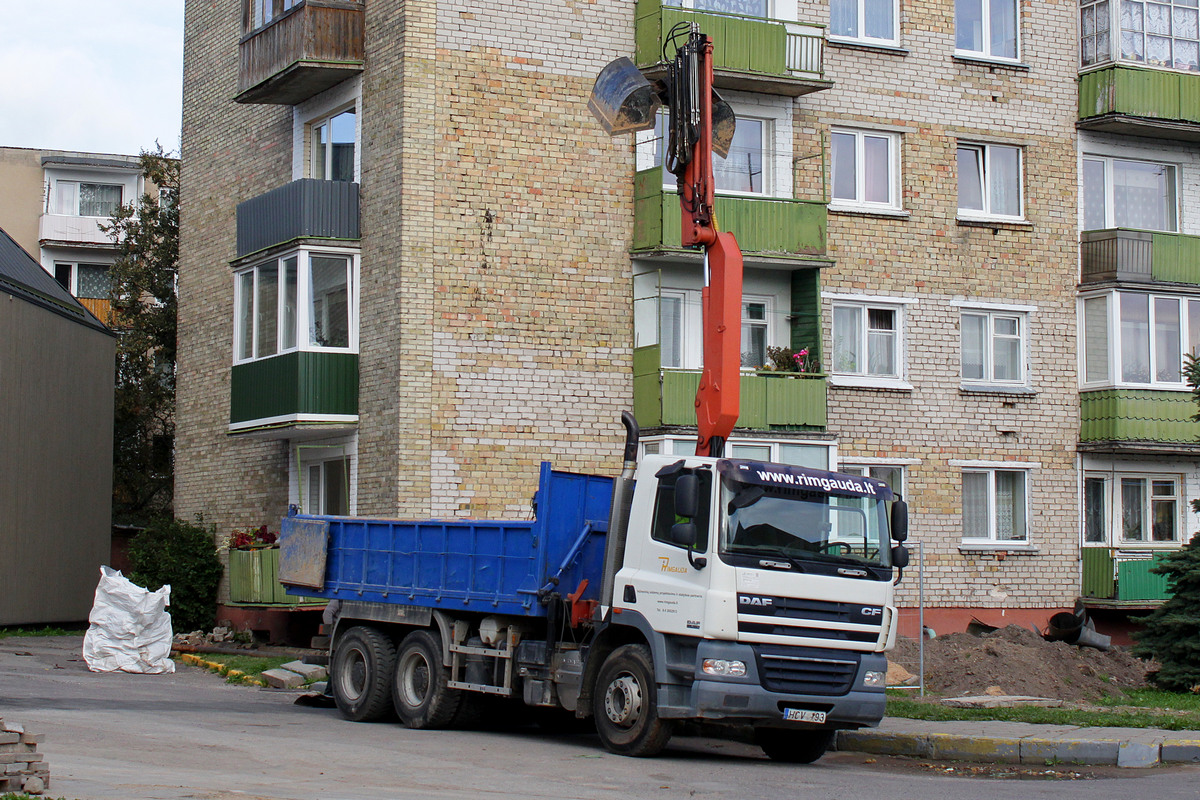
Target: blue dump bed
<point x="472" y="565"/>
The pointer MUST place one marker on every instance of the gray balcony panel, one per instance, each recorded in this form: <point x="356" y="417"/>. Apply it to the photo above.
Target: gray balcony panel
<point x="303" y="209"/>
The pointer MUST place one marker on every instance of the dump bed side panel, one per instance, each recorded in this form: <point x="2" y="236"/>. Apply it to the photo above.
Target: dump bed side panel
<point x="486" y="566"/>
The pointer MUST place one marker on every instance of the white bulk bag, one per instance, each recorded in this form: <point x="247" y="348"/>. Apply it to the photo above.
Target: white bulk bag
<point x="130" y="628"/>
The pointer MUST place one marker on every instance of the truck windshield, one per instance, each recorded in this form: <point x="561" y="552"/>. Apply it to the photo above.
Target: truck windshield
<point x="801" y="524"/>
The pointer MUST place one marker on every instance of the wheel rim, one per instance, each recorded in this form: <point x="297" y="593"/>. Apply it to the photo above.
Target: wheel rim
<point x="414" y="679"/>
<point x="623" y="701"/>
<point x="354" y="675"/>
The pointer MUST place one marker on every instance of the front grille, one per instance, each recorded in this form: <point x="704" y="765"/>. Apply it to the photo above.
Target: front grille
<point x="806" y="670"/>
<point x="768" y="629"/>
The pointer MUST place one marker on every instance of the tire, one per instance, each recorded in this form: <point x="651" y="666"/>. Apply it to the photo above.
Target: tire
<point x="419" y="691"/>
<point x="361" y="674"/>
<point x="625" y="704"/>
<point x="791" y="746"/>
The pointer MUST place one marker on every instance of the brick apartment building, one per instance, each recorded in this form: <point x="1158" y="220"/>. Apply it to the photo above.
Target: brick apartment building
<point x="413" y="266"/>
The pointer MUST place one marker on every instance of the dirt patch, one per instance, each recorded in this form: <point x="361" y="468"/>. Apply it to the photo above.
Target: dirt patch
<point x="1017" y="661"/>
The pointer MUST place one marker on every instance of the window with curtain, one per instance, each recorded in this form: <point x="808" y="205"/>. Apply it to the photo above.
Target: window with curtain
<point x="329" y="315"/>
<point x="328" y="487"/>
<point x="746" y="8"/>
<point x="986" y="28"/>
<point x="994" y="505"/>
<point x="866" y="340"/>
<point x="989" y="181"/>
<point x="865" y="169"/>
<point x="868" y="21"/>
<point x="1120" y="193"/>
<point x="1095" y="25"/>
<point x="1163" y="33"/>
<point x="670" y="330"/>
<point x="1095" y="510"/>
<point x="1150" y="334"/>
<point x="756" y="327"/>
<point x="993" y="346"/>
<point x="1095" y="339"/>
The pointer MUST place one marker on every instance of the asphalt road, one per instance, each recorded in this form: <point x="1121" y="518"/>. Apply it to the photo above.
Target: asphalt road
<point x="191" y="735"/>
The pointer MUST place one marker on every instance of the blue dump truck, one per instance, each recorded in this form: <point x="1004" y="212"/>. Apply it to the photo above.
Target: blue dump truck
<point x="689" y="588"/>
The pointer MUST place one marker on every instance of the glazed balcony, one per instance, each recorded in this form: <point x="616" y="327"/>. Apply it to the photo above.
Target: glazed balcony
<point x="751" y="54"/>
<point x="1140" y="101"/>
<point x="295" y="388"/>
<point x="769" y="401"/>
<point x="765" y="226"/>
<point x="1122" y="577"/>
<point x="300" y="50"/>
<point x="1145" y="416"/>
<point x="303" y="209"/>
<point x="1121" y="254"/>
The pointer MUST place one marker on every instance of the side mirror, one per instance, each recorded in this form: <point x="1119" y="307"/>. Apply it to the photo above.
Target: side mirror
<point x="900" y="556"/>
<point x="900" y="521"/>
<point x="687" y="495"/>
<point x="683" y="534"/>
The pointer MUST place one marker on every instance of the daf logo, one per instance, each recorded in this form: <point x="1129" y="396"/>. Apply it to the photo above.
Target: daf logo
<point x="868" y="611"/>
<point x="755" y="601"/>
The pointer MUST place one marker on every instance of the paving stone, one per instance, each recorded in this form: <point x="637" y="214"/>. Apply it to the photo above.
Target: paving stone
<point x="1138" y="754"/>
<point x="1176" y="751"/>
<point x="283" y="679"/>
<point x="311" y="672"/>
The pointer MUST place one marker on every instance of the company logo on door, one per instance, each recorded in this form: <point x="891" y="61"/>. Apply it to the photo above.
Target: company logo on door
<point x="667" y="567"/>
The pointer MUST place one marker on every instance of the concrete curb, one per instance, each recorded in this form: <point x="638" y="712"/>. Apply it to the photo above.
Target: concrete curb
<point x="1020" y="743"/>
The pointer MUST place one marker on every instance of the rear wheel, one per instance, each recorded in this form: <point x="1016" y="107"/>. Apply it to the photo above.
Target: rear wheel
<point x="625" y="704"/>
<point x="419" y="690"/>
<point x="793" y="747"/>
<point x="361" y="673"/>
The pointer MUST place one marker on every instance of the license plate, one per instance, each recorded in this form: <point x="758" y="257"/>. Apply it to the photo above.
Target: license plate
<point x="804" y="715"/>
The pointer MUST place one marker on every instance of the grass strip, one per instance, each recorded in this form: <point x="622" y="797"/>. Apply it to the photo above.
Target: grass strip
<point x="47" y="631"/>
<point x="236" y="669"/>
<point x="1171" y="713"/>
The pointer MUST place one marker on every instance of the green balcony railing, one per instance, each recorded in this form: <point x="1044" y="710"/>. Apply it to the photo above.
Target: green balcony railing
<point x="1122" y="254"/>
<point x="1153" y="96"/>
<point x="254" y="578"/>
<point x="297" y="384"/>
<point x="1137" y="415"/>
<point x="1110" y="574"/>
<point x="745" y="46"/>
<point x="769" y="401"/>
<point x="767" y="226"/>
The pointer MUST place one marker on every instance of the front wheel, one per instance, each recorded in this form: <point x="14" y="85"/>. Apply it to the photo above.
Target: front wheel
<point x="360" y="674"/>
<point x="625" y="704"/>
<point x="793" y="747"/>
<point x="419" y="690"/>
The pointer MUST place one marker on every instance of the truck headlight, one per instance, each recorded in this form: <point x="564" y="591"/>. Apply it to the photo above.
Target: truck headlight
<point x="874" y="679"/>
<point x="723" y="667"/>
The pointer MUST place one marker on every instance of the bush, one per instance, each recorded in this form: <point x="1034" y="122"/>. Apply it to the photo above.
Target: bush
<point x="1172" y="632"/>
<point x="185" y="556"/>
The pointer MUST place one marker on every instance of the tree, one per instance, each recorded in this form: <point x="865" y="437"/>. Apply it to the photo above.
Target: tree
<point x="146" y="233"/>
<point x="1171" y="633"/>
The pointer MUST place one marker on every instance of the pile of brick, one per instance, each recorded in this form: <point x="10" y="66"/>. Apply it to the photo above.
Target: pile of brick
<point x="21" y="766"/>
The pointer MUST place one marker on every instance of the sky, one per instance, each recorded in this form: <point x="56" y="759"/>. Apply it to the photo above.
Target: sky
<point x="95" y="76"/>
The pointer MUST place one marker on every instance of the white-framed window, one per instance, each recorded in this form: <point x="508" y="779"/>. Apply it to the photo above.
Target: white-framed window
<point x="1127" y="508"/>
<point x="891" y="474"/>
<point x="324" y="477"/>
<point x="815" y="454"/>
<point x="995" y="505"/>
<point x="989" y="182"/>
<point x="303" y="300"/>
<point x="757" y="316"/>
<point x="1136" y="338"/>
<point x="867" y="339"/>
<point x="747" y="169"/>
<point x="987" y="29"/>
<point x="332" y="141"/>
<point x="865" y="169"/>
<point x="86" y="281"/>
<point x="672" y="326"/>
<point x="1159" y="33"/>
<point x="86" y="199"/>
<point x="865" y="21"/>
<point x="745" y="8"/>
<point x="1123" y="193"/>
<point x="993" y="346"/>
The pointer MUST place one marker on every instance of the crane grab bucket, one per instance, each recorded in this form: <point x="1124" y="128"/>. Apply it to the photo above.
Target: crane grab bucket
<point x="622" y="99"/>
